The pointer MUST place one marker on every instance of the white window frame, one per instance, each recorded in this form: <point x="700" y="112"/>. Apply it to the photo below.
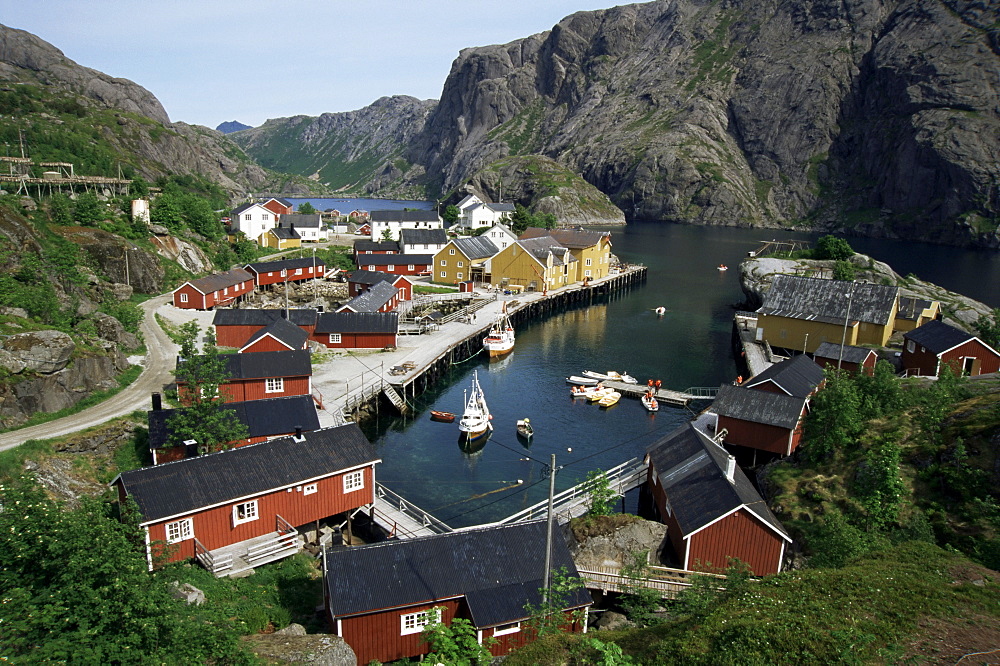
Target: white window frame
<point x="460" y="264"/>
<point x="335" y="338"/>
<point x="588" y="262"/>
<point x="274" y="385"/>
<point x="354" y="481"/>
<point x="505" y="629"/>
<point x="298" y="271"/>
<point x="444" y="274"/>
<point x="414" y="623"/>
<point x="184" y="297"/>
<point x="265" y="217"/>
<point x="180" y="530"/>
<point x="910" y="346"/>
<point x="309" y="489"/>
<point x="444" y="262"/>
<point x="411" y="267"/>
<point x="458" y="276"/>
<point x="245" y="512"/>
<point x="390" y="268"/>
<point x="451" y="251"/>
<point x="371" y="267"/>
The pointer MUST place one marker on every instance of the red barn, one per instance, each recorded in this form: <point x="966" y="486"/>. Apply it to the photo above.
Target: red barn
<point x="359" y="281"/>
<point x="380" y="297"/>
<point x="265" y="419"/>
<point x="380" y="597"/>
<point x="357" y="330"/>
<point x="269" y="273"/>
<point x="760" y="420"/>
<point x="279" y="335"/>
<point x="851" y="359"/>
<point x="239" y="508"/>
<point x="398" y="264"/>
<point x="233" y="328"/>
<point x="930" y="347"/>
<point x="711" y="509"/>
<point x="269" y="374"/>
<point x="214" y="290"/>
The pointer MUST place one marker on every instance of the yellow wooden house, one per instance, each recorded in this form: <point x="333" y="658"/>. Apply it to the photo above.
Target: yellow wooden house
<point x="280" y="238"/>
<point x="592" y="249"/>
<point x="463" y="259"/>
<point x="915" y="312"/>
<point x="534" y="264"/>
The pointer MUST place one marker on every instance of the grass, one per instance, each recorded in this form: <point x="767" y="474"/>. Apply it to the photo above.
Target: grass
<point x="425" y="289"/>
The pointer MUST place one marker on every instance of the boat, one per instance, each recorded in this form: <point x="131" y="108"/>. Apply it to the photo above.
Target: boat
<point x="650" y="403"/>
<point x="723" y="267"/>
<point x="443" y="417"/>
<point x="581" y="381"/>
<point x="499" y="339"/>
<point x="625" y="378"/>
<point x="475" y="421"/>
<point x="584" y="391"/>
<point x="524" y="428"/>
<point x="599" y="395"/>
<point x="610" y="398"/>
<point x="660" y="311"/>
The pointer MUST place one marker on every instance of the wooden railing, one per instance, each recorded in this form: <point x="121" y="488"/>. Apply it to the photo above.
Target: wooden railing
<point x="411" y="510"/>
<point x="669" y="582"/>
<point x="214" y="565"/>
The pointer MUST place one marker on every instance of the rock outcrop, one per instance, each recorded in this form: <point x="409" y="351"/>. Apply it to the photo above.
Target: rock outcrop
<point x="618" y="538"/>
<point x="316" y="649"/>
<point x="119" y="260"/>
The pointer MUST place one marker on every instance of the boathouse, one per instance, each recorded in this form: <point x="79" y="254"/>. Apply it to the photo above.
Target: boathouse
<point x="712" y="511"/>
<point x="234" y="327"/>
<point x="359" y="281"/>
<point x="851" y="359"/>
<point x="267" y="374"/>
<point x="380" y="297"/>
<point x="798" y="376"/>
<point x="264" y="419"/>
<point x="357" y="330"/>
<point x="279" y="335"/>
<point x="213" y="290"/>
<point x="536" y="264"/>
<point x="760" y="419"/>
<point x="379" y="597"/>
<point x="269" y="273"/>
<point x="242" y="507"/>
<point x="928" y="349"/>
<point x="463" y="259"/>
<point x="592" y="249"/>
<point x="398" y="264"/>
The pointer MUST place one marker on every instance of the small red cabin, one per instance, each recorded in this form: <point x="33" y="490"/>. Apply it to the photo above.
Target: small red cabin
<point x="287" y="270"/>
<point x="360" y="281"/>
<point x="214" y="290"/>
<point x="233" y="328"/>
<point x="759" y="419"/>
<point x="357" y="330"/>
<point x="268" y="374"/>
<point x="380" y="297"/>
<point x="851" y="359"/>
<point x="929" y="348"/>
<point x="279" y="335"/>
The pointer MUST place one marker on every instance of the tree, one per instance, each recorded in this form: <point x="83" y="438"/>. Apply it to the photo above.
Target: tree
<point x="831" y="247"/>
<point x="520" y="220"/>
<point x="988" y="327"/>
<point x="456" y="644"/>
<point x="835" y="420"/>
<point x="844" y="270"/>
<point x="602" y="497"/>
<point x="165" y="210"/>
<point x="306" y="208"/>
<point x="387" y="236"/>
<point x="61" y="209"/>
<point x="547" y="617"/>
<point x="245" y="249"/>
<point x="640" y="602"/>
<point x="450" y="215"/>
<point x="880" y="488"/>
<point x="88" y="210"/>
<point x="199" y="377"/>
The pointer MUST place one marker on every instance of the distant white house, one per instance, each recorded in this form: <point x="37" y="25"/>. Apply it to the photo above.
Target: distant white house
<point x="394" y="221"/>
<point x="422" y="241"/>
<point x="310" y="227"/>
<point x="500" y="235"/>
<point x="252" y="219"/>
<point x="474" y="213"/>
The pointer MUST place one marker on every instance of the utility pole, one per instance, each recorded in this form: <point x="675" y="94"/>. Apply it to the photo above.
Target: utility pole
<point x="843" y="339"/>
<point x="548" y="530"/>
<point x="315" y="286"/>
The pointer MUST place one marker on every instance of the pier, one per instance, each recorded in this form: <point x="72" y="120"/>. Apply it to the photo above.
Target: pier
<point x="757" y="356"/>
<point x="666" y="396"/>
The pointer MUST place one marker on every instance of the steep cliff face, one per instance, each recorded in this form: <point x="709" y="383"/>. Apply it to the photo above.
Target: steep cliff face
<point x="342" y="149"/>
<point x="877" y="116"/>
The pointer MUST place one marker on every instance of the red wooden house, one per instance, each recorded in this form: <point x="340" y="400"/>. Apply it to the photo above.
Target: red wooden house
<point x="760" y="420"/>
<point x="851" y="359"/>
<point x="279" y="335"/>
<point x="380" y="597"/>
<point x="214" y="290"/>
<point x="240" y="508"/>
<point x="398" y="264"/>
<point x="798" y="376"/>
<point x="233" y="328"/>
<point x="359" y="281"/>
<point x="711" y="509"/>
<point x="269" y="273"/>
<point x="279" y="206"/>
<point x="357" y="330"/>
<point x="930" y="347"/>
<point x="269" y="374"/>
<point x="366" y="246"/>
<point x="380" y="297"/>
<point x="265" y="419"/>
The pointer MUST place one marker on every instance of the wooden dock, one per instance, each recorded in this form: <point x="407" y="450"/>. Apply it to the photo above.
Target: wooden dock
<point x="667" y="396"/>
<point x="755" y="354"/>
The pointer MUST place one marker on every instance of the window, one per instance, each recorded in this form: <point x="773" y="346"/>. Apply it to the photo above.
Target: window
<point x="225" y="291"/>
<point x="586" y="273"/>
<point x="247" y="217"/>
<point x="451" y="251"/>
<point x="354" y="481"/>
<point x="265" y="217"/>
<point x="245" y="512"/>
<point x="505" y="629"/>
<point x="444" y="274"/>
<point x="371" y="267"/>
<point x="335" y="338"/>
<point x="390" y="268"/>
<point x="444" y="262"/>
<point x="460" y="264"/>
<point x="275" y="385"/>
<point x="414" y="623"/>
<point x="910" y="346"/>
<point x="309" y="489"/>
<point x="298" y="271"/>
<point x="458" y="276"/>
<point x="410" y="267"/>
<point x="184" y="299"/>
<point x="179" y="531"/>
<point x="588" y="262"/>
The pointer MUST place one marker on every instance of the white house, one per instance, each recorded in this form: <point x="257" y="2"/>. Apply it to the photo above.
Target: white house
<point x="252" y="219"/>
<point x="422" y="241"/>
<point x="396" y="220"/>
<point x="483" y="214"/>
<point x="310" y="227"/>
<point x="500" y="235"/>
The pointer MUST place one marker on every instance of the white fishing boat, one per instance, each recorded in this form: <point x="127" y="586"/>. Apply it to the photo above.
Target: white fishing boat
<point x="611" y="375"/>
<point x="475" y="421"/>
<point x="524" y="428"/>
<point x="499" y="339"/>
<point x="650" y="403"/>
<point x="584" y="391"/>
<point x="581" y="381"/>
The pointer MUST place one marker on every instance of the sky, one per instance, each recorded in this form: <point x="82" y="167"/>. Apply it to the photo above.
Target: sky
<point x="211" y="61"/>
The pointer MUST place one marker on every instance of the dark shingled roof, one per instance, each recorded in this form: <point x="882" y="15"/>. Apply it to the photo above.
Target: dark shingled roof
<point x="498" y="569"/>
<point x="259" y="365"/>
<point x="220" y="281"/>
<point x="759" y="406"/>
<point x="242" y="207"/>
<point x="541" y="247"/>
<point x="852" y="354"/>
<point x="394" y="259"/>
<point x="938" y="336"/>
<point x="361" y="246"/>
<point x="476" y="247"/>
<point x="284" y="264"/>
<point x="798" y="376"/>
<point x="423" y="236"/>
<point x="185" y="486"/>
<point x="264" y="418"/>
<point x="377" y="295"/>
<point x="257" y="317"/>
<point x="405" y="216"/>
<point x="284" y="234"/>
<point x="574" y="239"/>
<point x="358" y="322"/>
<point x="691" y="468"/>
<point x="371" y="277"/>
<point x="284" y="331"/>
<point x="303" y="221"/>
<point x="827" y="300"/>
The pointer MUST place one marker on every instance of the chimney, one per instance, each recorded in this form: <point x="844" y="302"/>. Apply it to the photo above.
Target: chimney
<point x="730" y="468"/>
<point x="298" y="434"/>
<point x="157" y="402"/>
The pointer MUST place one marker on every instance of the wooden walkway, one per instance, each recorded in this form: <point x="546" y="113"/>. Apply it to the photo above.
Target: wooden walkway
<point x="755" y="353"/>
<point x="403" y="519"/>
<point x="667" y="396"/>
<point x="668" y="582"/>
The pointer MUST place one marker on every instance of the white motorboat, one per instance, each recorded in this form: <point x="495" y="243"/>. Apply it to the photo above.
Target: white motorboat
<point x="475" y="420"/>
<point x="584" y="391"/>
<point x="611" y="375"/>
<point x="581" y="381"/>
<point x="499" y="339"/>
<point x="650" y="403"/>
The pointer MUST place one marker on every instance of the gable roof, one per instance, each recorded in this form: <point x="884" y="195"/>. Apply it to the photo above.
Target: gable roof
<point x="358" y="322"/>
<point x="360" y="276"/>
<point x="498" y="569"/>
<point x="373" y="299"/>
<point x="263" y="317"/>
<point x="375" y="246"/>
<point x="939" y="337"/>
<point x="283" y="202"/>
<point x="763" y="407"/>
<point x="475" y="247"/>
<point x="852" y="354"/>
<point x="423" y="237"/>
<point x="219" y="281"/>
<point x="573" y="239"/>
<point x="827" y="301"/>
<point x="260" y="365"/>
<point x="185" y="486"/>
<point x="283" y="331"/>
<point x="239" y="209"/>
<point x="540" y="248"/>
<point x="263" y="418"/>
<point x="394" y="259"/>
<point x="798" y="376"/>
<point x="283" y="233"/>
<point x="301" y="220"/>
<point x="404" y="216"/>
<point x="691" y="469"/>
<point x="283" y="264"/>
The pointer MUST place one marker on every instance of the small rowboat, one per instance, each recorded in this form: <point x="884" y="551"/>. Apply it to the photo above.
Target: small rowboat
<point x="650" y="403"/>
<point x="581" y="381"/>
<point x="443" y="417"/>
<point x="584" y="391"/>
<point x="660" y="311"/>
<point x="611" y="398"/>
<point x="524" y="428"/>
<point x="599" y="395"/>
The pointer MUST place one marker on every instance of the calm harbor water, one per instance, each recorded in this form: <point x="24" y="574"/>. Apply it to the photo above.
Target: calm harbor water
<point x="689" y="346"/>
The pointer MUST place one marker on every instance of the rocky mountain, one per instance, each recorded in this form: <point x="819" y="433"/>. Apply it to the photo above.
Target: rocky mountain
<point x="231" y="126"/>
<point x="344" y="150"/>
